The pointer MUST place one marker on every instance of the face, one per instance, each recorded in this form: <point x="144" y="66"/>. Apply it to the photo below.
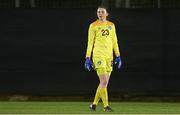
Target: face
<point x="102" y="13"/>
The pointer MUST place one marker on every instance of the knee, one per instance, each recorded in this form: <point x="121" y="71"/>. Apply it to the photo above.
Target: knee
<point x="103" y="83"/>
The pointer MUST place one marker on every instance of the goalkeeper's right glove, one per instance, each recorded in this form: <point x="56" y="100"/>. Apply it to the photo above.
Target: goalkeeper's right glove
<point x="88" y="64"/>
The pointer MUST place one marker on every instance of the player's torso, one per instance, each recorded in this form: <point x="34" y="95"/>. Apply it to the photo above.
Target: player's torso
<point x="103" y="45"/>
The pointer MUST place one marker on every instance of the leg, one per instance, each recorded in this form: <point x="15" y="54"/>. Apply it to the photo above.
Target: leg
<point x="98" y="63"/>
<point x="101" y="92"/>
<point x="104" y="79"/>
<point x="97" y="97"/>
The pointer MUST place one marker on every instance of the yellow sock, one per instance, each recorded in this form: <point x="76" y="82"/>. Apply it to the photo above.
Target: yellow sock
<point x="97" y="96"/>
<point x="104" y="96"/>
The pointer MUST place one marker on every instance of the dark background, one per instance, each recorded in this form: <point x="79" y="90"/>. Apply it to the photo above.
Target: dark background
<point x="43" y="51"/>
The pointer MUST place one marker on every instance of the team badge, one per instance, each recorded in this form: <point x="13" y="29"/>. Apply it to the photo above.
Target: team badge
<point x="109" y="27"/>
<point x="99" y="62"/>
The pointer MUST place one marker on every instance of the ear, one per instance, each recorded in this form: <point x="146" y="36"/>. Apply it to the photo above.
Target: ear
<point x="107" y="14"/>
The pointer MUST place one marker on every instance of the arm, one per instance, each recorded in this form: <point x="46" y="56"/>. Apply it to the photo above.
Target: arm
<point x="115" y="43"/>
<point x="88" y="63"/>
<point x="116" y="49"/>
<point x="91" y="35"/>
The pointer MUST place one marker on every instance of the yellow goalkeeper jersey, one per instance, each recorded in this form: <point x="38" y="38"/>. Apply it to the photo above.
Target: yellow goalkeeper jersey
<point x="102" y="40"/>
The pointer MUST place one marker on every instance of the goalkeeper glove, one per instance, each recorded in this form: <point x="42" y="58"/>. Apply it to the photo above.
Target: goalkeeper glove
<point x="118" y="62"/>
<point x="88" y="64"/>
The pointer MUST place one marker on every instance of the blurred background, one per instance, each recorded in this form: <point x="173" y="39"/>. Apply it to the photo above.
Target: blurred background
<point x="89" y="3"/>
<point x="43" y="45"/>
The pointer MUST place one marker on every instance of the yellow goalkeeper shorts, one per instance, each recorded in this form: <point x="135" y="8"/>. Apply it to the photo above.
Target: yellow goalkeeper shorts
<point x="101" y="62"/>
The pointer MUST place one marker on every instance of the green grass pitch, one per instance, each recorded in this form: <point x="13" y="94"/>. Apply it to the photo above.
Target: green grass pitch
<point x="83" y="108"/>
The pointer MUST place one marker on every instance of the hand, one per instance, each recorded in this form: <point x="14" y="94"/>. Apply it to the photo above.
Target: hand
<point x="88" y="64"/>
<point x="118" y="62"/>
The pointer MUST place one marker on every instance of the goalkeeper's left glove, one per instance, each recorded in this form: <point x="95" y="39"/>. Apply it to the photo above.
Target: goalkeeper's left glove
<point x="118" y="62"/>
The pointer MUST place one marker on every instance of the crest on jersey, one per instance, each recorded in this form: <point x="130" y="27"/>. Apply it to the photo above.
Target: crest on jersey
<point x="99" y="62"/>
<point x="109" y="27"/>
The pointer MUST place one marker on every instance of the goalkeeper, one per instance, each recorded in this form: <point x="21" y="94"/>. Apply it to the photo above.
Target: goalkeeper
<point x="102" y="41"/>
